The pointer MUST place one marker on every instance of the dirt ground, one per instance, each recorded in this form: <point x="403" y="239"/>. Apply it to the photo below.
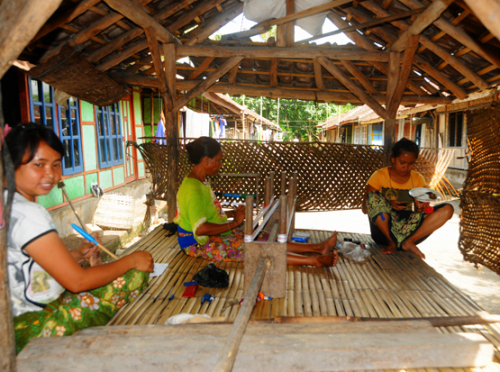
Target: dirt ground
<point x="440" y="249"/>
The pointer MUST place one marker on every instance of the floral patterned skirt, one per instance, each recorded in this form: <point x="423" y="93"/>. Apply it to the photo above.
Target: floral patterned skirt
<point x="72" y="312"/>
<point x="402" y="224"/>
<point x="223" y="247"/>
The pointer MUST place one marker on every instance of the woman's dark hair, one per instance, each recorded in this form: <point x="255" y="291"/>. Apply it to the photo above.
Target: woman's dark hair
<point x="27" y="137"/>
<point x="201" y="147"/>
<point x="404" y="145"/>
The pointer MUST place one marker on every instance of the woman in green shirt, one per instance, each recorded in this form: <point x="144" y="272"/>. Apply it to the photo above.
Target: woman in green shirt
<point x="204" y="229"/>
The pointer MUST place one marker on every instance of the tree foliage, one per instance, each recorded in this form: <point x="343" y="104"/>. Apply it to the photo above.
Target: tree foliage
<point x="297" y="119"/>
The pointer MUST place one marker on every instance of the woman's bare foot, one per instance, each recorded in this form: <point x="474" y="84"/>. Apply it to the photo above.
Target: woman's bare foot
<point x="410" y="246"/>
<point x="327" y="260"/>
<point x="390" y="249"/>
<point x="328" y="244"/>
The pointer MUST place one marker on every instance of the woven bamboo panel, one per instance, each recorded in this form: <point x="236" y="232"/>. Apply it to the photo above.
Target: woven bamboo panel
<point x="480" y="203"/>
<point x="331" y="176"/>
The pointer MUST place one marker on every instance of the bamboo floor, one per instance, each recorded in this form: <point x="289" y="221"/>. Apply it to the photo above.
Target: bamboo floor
<point x="385" y="286"/>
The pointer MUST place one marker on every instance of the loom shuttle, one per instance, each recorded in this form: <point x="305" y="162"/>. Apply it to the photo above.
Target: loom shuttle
<point x="85" y="234"/>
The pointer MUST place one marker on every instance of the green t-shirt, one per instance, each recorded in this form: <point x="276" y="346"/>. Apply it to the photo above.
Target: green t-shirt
<point x="197" y="204"/>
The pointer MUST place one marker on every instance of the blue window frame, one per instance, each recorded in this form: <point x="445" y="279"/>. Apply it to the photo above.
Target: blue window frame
<point x="109" y="136"/>
<point x="43" y="109"/>
<point x="42" y="104"/>
<point x="69" y="129"/>
<point x="377" y="134"/>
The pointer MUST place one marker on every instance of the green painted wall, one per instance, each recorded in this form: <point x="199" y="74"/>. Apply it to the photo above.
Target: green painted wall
<point x="147" y="131"/>
<point x="118" y="176"/>
<point x="75" y="187"/>
<point x="89" y="147"/>
<point x="106" y="179"/>
<point x="137" y="108"/>
<point x="147" y="110"/>
<point x="87" y="111"/>
<point x="53" y="198"/>
<point x="138" y="134"/>
<point x="91" y="178"/>
<point x="141" y="169"/>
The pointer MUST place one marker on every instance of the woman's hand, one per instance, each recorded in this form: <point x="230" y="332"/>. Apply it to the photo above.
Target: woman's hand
<point x="420" y="206"/>
<point x="142" y="261"/>
<point x="397" y="205"/>
<point x="239" y="214"/>
<point x="86" y="249"/>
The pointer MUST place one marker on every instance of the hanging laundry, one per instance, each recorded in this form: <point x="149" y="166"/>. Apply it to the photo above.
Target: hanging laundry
<point x="222" y="123"/>
<point x="160" y="132"/>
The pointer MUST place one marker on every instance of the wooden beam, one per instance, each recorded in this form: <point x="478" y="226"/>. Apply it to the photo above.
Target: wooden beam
<point x="158" y="65"/>
<point x="290" y="26"/>
<point x="364" y="25"/>
<point x="128" y="36"/>
<point x="318" y="76"/>
<point x="20" y="20"/>
<point x="265" y="91"/>
<point x="406" y="67"/>
<point x="458" y="34"/>
<point x="432" y="13"/>
<point x="366" y="44"/>
<point x="455" y="63"/>
<point x="210" y="80"/>
<point x="354" y="71"/>
<point x="169" y="63"/>
<point x="421" y="63"/>
<point x="201" y="68"/>
<point x="201" y="33"/>
<point x="65" y="17"/>
<point x="357" y="91"/>
<point x="245" y="34"/>
<point x="197" y="11"/>
<point x="137" y="15"/>
<point x="305" y="13"/>
<point x="279" y="52"/>
<point x="429" y="69"/>
<point x="488" y="12"/>
<point x="392" y="78"/>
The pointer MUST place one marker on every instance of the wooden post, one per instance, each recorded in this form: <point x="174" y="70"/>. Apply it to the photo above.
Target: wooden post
<point x="248" y="216"/>
<point x="290" y="26"/>
<point x="271" y="176"/>
<point x="389" y="139"/>
<point x="283" y="183"/>
<point x="8" y="340"/>
<point x="282" y="237"/>
<point x="267" y="191"/>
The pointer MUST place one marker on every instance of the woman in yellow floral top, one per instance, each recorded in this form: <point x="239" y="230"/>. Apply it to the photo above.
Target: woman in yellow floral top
<point x="204" y="228"/>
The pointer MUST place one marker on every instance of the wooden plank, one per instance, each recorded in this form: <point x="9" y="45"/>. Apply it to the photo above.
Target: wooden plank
<point x="210" y="80"/>
<point x="172" y="129"/>
<point x="136" y="14"/>
<point x="197" y="11"/>
<point x="290" y="25"/>
<point x="298" y="352"/>
<point x="275" y="281"/>
<point x="233" y="73"/>
<point x="279" y="52"/>
<point x="228" y="353"/>
<point x="357" y="91"/>
<point x="360" y="76"/>
<point x="406" y="67"/>
<point x="432" y="13"/>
